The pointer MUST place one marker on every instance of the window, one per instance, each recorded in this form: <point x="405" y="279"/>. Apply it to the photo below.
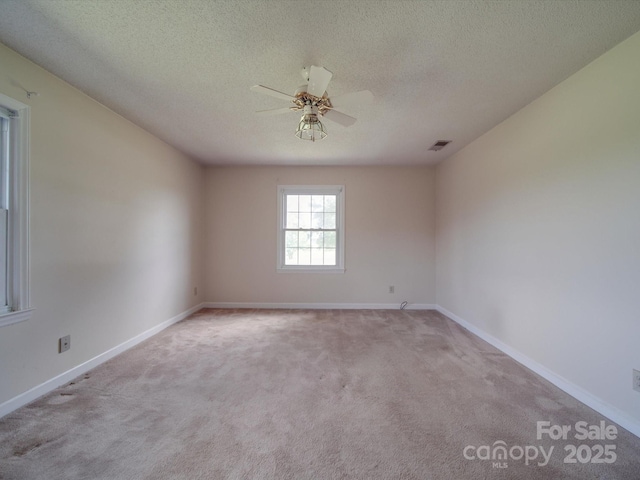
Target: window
<point x="311" y="228"/>
<point x="14" y="211"/>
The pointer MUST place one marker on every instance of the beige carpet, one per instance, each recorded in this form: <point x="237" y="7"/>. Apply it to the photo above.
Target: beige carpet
<point x="265" y="394"/>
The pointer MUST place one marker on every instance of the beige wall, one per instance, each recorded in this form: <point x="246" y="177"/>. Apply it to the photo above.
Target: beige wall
<point x="389" y="236"/>
<point x="538" y="230"/>
<point x="115" y="228"/>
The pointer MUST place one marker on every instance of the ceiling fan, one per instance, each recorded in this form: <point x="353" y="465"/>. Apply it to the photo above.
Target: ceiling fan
<point x="312" y="100"/>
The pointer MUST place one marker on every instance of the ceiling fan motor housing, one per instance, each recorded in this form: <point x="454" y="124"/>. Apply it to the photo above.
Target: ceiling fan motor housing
<point x="311" y="111"/>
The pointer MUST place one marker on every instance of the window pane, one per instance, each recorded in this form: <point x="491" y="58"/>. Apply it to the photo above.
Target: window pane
<point x="309" y="238"/>
<point x="304" y="220"/>
<point x="292" y="220"/>
<point x="330" y="239"/>
<point x="304" y="256"/>
<point x="291" y="239"/>
<point x="317" y="257"/>
<point x="317" y="239"/>
<point x="291" y="256"/>
<point x="317" y="203"/>
<point x="3" y="258"/>
<point x="305" y="239"/>
<point x="304" y="203"/>
<point x="316" y="220"/>
<point x="329" y="220"/>
<point x="292" y="203"/>
<point x="329" y="203"/>
<point x="329" y="256"/>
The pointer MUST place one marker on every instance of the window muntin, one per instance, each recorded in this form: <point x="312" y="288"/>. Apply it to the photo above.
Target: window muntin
<point x="310" y="224"/>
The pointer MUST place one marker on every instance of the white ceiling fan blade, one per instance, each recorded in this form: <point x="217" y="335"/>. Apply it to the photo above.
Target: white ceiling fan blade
<point x="319" y="78"/>
<point x="271" y="92"/>
<point x="339" y="117"/>
<point x="277" y="111"/>
<point x="353" y="99"/>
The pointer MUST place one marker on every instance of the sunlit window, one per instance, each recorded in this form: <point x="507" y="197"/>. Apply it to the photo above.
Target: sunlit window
<point x="14" y="208"/>
<point x="311" y="234"/>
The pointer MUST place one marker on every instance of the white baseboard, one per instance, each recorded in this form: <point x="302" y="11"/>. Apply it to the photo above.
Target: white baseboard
<point x="321" y="306"/>
<point x="53" y="383"/>
<point x="599" y="405"/>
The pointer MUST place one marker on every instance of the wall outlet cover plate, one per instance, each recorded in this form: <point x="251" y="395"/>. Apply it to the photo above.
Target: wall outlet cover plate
<point x="64" y="344"/>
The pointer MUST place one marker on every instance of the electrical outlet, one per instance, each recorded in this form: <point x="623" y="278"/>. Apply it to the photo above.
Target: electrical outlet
<point x="636" y="380"/>
<point x="195" y="291"/>
<point x="64" y="344"/>
<point x="392" y="289"/>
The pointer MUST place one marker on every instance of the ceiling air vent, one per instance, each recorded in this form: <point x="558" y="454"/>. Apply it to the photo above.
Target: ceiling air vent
<point x="439" y="145"/>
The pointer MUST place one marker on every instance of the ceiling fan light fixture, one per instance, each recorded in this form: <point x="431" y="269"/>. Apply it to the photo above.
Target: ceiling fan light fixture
<point x="310" y="127"/>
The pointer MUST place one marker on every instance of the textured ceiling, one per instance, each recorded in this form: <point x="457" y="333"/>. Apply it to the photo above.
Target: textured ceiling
<point x="439" y="70"/>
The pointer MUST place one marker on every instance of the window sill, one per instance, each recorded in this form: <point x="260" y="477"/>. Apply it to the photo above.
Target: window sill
<point x="10" y="318"/>
<point x="309" y="270"/>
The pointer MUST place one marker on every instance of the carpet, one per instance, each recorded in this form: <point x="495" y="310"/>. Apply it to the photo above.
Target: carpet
<point x="312" y="394"/>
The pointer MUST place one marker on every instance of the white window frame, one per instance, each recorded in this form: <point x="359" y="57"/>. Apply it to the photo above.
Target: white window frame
<point x="337" y="190"/>
<point x="18" y="246"/>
